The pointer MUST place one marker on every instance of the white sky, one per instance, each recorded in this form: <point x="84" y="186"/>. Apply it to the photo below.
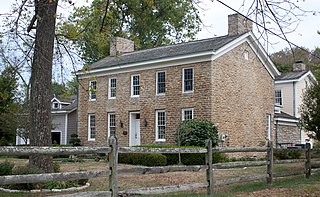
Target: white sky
<point x="215" y="17"/>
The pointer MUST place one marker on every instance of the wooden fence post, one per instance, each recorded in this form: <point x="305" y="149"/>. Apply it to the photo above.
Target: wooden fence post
<point x="308" y="161"/>
<point x="113" y="163"/>
<point x="209" y="168"/>
<point x="270" y="163"/>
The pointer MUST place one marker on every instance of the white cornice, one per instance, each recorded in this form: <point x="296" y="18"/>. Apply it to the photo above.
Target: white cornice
<point x="309" y="73"/>
<point x="147" y="65"/>
<point x="208" y="55"/>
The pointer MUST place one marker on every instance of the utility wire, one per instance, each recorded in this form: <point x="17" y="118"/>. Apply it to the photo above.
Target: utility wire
<point x="271" y="32"/>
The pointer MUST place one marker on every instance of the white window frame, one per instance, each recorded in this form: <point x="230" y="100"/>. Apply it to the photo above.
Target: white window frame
<point x="53" y="105"/>
<point x="132" y="87"/>
<point x="91" y="89"/>
<point x="183" y="113"/>
<point x="110" y="88"/>
<point x="157" y="130"/>
<point x="89" y="127"/>
<point x="109" y="123"/>
<point x="281" y="92"/>
<point x="183" y="78"/>
<point x="157" y="83"/>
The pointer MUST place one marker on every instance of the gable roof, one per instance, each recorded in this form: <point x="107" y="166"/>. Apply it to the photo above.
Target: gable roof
<point x="178" y="54"/>
<point x="294" y="76"/>
<point x="166" y="51"/>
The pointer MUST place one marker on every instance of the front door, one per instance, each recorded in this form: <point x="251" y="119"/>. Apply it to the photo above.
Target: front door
<point x="134" y="139"/>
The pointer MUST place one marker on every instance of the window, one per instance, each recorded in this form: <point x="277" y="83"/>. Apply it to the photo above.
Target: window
<point x="161" y="83"/>
<point x="135" y="85"/>
<point x="160" y="125"/>
<point x="111" y="124"/>
<point x="55" y="105"/>
<point x="278" y="97"/>
<point x="268" y="121"/>
<point x="187" y="114"/>
<point x="92" y="90"/>
<point x="112" y="88"/>
<point x="91" y="127"/>
<point x="187" y="80"/>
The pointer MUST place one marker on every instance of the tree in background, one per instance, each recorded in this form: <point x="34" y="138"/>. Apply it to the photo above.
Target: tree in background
<point x="310" y="111"/>
<point x="149" y="23"/>
<point x="8" y="105"/>
<point x="285" y="58"/>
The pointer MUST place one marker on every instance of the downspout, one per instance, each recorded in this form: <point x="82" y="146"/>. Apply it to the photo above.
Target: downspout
<point x="77" y="79"/>
<point x="294" y="99"/>
<point x="277" y="127"/>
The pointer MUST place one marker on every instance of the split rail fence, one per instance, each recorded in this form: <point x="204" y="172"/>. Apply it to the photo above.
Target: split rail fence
<point x="113" y="171"/>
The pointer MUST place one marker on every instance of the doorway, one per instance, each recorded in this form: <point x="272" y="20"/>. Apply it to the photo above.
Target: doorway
<point x="56" y="137"/>
<point x="134" y="137"/>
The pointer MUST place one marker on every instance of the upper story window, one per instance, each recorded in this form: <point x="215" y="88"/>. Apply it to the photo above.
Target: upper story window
<point x="135" y="85"/>
<point x="92" y="90"/>
<point x="55" y="105"/>
<point x="187" y="114"/>
<point x="111" y="124"/>
<point x="278" y="97"/>
<point x="160" y="125"/>
<point x="112" y="91"/>
<point x="161" y="83"/>
<point x="187" y="80"/>
<point x="91" y="127"/>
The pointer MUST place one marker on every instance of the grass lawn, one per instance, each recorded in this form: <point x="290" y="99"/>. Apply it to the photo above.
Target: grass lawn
<point x="292" y="186"/>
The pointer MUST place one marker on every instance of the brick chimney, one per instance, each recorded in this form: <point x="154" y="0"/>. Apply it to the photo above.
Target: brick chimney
<point x="120" y="45"/>
<point x="299" y="66"/>
<point x="237" y="24"/>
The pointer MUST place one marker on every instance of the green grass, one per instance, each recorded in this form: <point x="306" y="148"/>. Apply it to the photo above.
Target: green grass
<point x="298" y="183"/>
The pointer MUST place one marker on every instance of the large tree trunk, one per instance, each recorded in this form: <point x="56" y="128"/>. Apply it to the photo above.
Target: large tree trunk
<point x="41" y="75"/>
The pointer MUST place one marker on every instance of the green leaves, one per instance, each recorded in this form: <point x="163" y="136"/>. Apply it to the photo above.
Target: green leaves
<point x="310" y="111"/>
<point x="149" y="23"/>
<point x="196" y="132"/>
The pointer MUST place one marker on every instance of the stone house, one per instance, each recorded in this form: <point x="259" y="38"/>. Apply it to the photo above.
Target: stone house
<point x="289" y="88"/>
<point x="63" y="119"/>
<point x="142" y="96"/>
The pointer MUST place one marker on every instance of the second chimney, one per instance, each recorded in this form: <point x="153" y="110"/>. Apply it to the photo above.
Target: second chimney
<point x="120" y="45"/>
<point x="238" y="24"/>
<point x="299" y="66"/>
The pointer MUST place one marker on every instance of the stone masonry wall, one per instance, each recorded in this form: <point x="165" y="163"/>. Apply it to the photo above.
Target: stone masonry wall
<point x="288" y="134"/>
<point x="172" y="102"/>
<point x="235" y="93"/>
<point x="243" y="94"/>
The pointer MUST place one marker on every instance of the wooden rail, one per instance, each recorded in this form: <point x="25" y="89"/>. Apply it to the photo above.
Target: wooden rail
<point x="112" y="170"/>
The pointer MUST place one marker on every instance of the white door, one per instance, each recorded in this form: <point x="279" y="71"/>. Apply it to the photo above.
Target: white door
<point x="134" y="139"/>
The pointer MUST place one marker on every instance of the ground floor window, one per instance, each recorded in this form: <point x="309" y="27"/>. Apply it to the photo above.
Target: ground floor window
<point x="91" y="127"/>
<point x="111" y="124"/>
<point x="187" y="114"/>
<point x="160" y="125"/>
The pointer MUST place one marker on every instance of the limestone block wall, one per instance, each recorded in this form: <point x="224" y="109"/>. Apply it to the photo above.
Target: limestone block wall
<point x="172" y="102"/>
<point x="242" y="96"/>
<point x="288" y="134"/>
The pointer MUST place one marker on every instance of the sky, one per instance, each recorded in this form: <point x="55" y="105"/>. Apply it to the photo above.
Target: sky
<point x="215" y="18"/>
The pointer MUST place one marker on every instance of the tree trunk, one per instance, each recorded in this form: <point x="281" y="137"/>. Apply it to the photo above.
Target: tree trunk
<point x="41" y="75"/>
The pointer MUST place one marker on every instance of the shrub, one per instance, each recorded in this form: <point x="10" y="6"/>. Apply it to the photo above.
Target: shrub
<point x="56" y="167"/>
<point x="4" y="142"/>
<point x="287" y="154"/>
<point x="61" y="184"/>
<point x="196" y="132"/>
<point x="6" y="168"/>
<point x="193" y="158"/>
<point x="143" y="159"/>
<point x="75" y="140"/>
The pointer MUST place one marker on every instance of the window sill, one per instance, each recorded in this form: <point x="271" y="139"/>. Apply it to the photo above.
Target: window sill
<point x="135" y="96"/>
<point x="92" y="99"/>
<point x="161" y="94"/>
<point x="91" y="140"/>
<point x="111" y="98"/>
<point x="160" y="140"/>
<point x="187" y="92"/>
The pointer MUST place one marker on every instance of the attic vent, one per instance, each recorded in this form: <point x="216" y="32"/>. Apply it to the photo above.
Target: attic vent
<point x="246" y="55"/>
